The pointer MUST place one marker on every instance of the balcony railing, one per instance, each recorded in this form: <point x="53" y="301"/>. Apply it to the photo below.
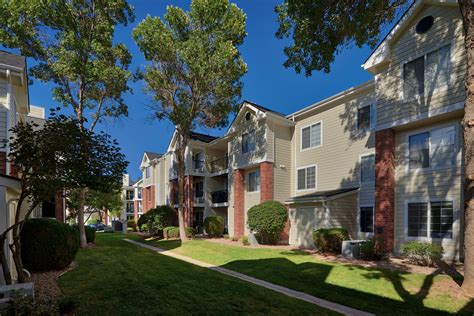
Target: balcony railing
<point x="199" y="200"/>
<point x="198" y="166"/>
<point x="220" y="164"/>
<point x="221" y="196"/>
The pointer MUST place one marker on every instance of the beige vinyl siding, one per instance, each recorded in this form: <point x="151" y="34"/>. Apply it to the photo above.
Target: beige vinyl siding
<point x="337" y="159"/>
<point x="282" y="170"/>
<point x="3" y="126"/>
<point x="427" y="185"/>
<point x="3" y="93"/>
<point x="241" y="160"/>
<point x="343" y="213"/>
<point x="447" y="29"/>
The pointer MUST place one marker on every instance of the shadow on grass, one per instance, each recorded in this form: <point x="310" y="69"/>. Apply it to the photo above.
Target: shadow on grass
<point x="312" y="278"/>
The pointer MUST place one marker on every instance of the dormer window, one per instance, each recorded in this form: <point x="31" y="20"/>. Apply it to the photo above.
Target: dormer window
<point x="248" y="116"/>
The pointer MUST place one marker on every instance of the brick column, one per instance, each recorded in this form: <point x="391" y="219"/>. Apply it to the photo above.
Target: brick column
<point x="59" y="206"/>
<point x="239" y="203"/>
<point x="385" y="186"/>
<point x="266" y="181"/>
<point x="188" y="201"/>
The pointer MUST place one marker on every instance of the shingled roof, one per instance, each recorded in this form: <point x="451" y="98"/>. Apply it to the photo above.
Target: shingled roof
<point x="202" y="137"/>
<point x="12" y="60"/>
<point x="152" y="155"/>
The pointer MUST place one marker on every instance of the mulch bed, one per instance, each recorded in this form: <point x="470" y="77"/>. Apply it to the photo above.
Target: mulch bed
<point x="46" y="283"/>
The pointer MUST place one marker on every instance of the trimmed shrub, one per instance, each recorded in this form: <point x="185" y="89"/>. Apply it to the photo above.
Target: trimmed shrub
<point x="90" y="233"/>
<point x="245" y="240"/>
<point x="156" y="219"/>
<point x="47" y="244"/>
<point x="132" y="225"/>
<point x="214" y="226"/>
<point x="422" y="253"/>
<point x="330" y="239"/>
<point x="267" y="220"/>
<point x="373" y="249"/>
<point x="173" y="232"/>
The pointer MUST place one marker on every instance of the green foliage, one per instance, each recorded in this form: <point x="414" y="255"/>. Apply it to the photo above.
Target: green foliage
<point x="214" y="226"/>
<point x="422" y="253"/>
<point x="226" y="236"/>
<point x="330" y="239"/>
<point x="173" y="232"/>
<point x="245" y="240"/>
<point x="156" y="219"/>
<point x="373" y="249"/>
<point x="267" y="220"/>
<point x="132" y="225"/>
<point x="22" y="304"/>
<point x="67" y="305"/>
<point x="320" y="29"/>
<point x="48" y="244"/>
<point x="90" y="233"/>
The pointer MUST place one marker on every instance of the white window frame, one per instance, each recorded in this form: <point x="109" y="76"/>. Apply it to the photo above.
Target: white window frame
<point x="360" y="169"/>
<point x="428" y="201"/>
<point x="430" y="130"/>
<point x="248" y="182"/>
<point x="366" y="234"/>
<point x="372" y="116"/>
<point x="451" y="81"/>
<point x="320" y="122"/>
<point x="315" y="178"/>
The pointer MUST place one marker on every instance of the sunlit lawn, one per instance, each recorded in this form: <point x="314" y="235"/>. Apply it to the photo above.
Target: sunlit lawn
<point x="376" y="290"/>
<point x="119" y="278"/>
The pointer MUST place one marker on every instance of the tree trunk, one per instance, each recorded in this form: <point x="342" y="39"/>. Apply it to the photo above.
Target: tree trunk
<point x="467" y="10"/>
<point x="3" y="261"/>
<point x="80" y="218"/>
<point x="181" y="179"/>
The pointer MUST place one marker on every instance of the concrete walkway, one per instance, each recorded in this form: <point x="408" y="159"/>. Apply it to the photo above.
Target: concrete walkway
<point x="277" y="288"/>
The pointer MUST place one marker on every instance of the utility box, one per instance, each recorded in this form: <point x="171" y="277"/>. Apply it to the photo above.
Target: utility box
<point x="351" y="248"/>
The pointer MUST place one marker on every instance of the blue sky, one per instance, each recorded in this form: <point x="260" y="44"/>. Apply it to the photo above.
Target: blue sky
<point x="267" y="82"/>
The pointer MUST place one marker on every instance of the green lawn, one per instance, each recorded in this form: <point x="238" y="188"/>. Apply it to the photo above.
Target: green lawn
<point x="375" y="290"/>
<point x="119" y="278"/>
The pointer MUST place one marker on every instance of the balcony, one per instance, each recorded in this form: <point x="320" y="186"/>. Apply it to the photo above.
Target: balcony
<point x="219" y="166"/>
<point x="220" y="198"/>
<point x="198" y="201"/>
<point x="198" y="166"/>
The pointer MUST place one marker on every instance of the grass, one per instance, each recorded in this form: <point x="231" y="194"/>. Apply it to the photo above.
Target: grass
<point x="378" y="291"/>
<point x="118" y="278"/>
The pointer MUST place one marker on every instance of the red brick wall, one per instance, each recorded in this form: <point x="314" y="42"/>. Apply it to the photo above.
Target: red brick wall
<point x="3" y="162"/>
<point x="239" y="203"/>
<point x="148" y="198"/>
<point x="385" y="186"/>
<point x="188" y="201"/>
<point x="266" y="181"/>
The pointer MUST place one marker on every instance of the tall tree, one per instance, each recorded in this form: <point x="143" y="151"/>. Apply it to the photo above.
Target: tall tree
<point x="320" y="29"/>
<point x="72" y="42"/>
<point x="195" y="70"/>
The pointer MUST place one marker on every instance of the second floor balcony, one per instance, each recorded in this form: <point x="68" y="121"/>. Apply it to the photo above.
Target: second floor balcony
<point x="219" y="165"/>
<point x="198" y="200"/>
<point x="220" y="197"/>
<point x="198" y="166"/>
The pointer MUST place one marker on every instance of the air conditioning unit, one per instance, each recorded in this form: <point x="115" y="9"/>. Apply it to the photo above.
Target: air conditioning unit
<point x="351" y="248"/>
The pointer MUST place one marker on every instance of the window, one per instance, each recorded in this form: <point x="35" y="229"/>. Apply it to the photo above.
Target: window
<point x="199" y="189"/>
<point x="367" y="168"/>
<point x="129" y="195"/>
<point x="147" y="172"/>
<point x="139" y="193"/>
<point x="434" y="219"/>
<point x="366" y="219"/>
<point x="307" y="178"/>
<point x="366" y="117"/>
<point x="434" y="149"/>
<point x="311" y="136"/>
<point x="130" y="208"/>
<point x="426" y="73"/>
<point x="254" y="181"/>
<point x="248" y="142"/>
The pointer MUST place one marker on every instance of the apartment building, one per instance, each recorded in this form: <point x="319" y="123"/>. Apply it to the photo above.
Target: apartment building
<point x="132" y="199"/>
<point x="383" y="158"/>
<point x="150" y="180"/>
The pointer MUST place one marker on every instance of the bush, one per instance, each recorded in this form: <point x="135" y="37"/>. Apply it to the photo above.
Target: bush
<point x="422" y="253"/>
<point x="90" y="233"/>
<point x="214" y="226"/>
<point x="267" y="220"/>
<point x="21" y="304"/>
<point x="156" y="219"/>
<point x="245" y="240"/>
<point x="373" y="249"/>
<point x="173" y="232"/>
<point x="330" y="239"/>
<point x="48" y="244"/>
<point x="131" y="224"/>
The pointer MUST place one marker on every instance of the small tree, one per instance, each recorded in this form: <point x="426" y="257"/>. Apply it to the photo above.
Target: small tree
<point x="73" y="44"/>
<point x="320" y="29"/>
<point x="108" y="203"/>
<point x="267" y="220"/>
<point x="195" y="70"/>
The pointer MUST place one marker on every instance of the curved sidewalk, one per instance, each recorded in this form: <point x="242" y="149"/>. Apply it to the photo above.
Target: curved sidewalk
<point x="277" y="288"/>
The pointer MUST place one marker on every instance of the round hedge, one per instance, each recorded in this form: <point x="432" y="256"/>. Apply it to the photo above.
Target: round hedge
<point x="47" y="244"/>
<point x="156" y="219"/>
<point x="267" y="220"/>
<point x="330" y="239"/>
<point x="214" y="226"/>
<point x="90" y="233"/>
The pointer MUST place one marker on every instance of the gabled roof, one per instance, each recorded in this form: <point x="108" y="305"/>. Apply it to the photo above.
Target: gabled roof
<point x="381" y="53"/>
<point x="201" y="137"/>
<point x="152" y="155"/>
<point x="263" y="109"/>
<point x="12" y="60"/>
